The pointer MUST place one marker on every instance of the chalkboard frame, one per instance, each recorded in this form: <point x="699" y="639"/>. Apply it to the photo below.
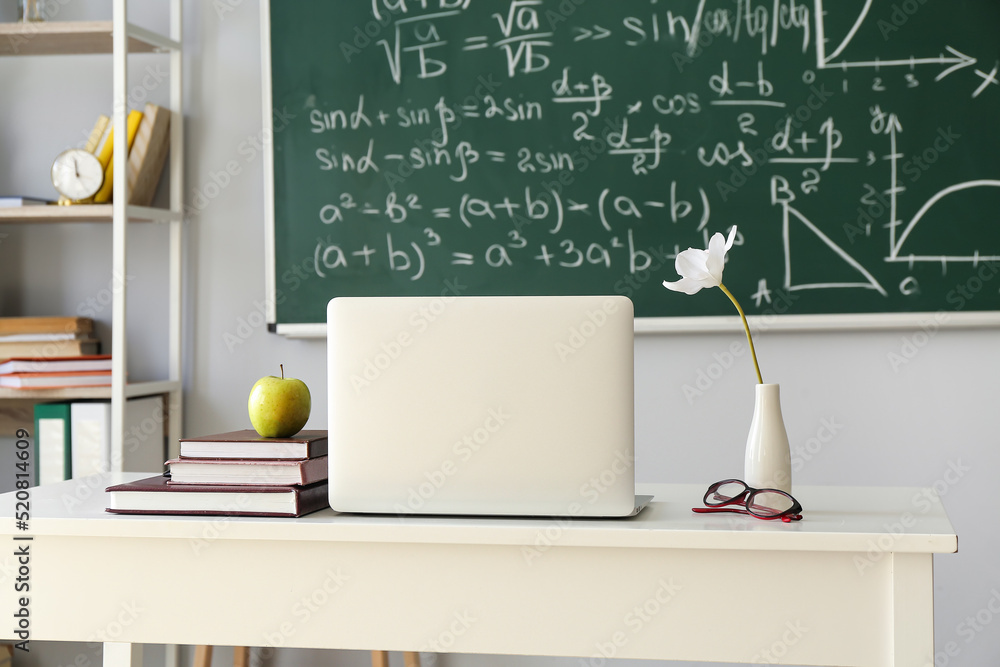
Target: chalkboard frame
<point x="643" y="325"/>
<point x="270" y="283"/>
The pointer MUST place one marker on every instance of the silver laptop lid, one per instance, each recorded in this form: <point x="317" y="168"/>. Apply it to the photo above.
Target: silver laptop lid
<point x="481" y="405"/>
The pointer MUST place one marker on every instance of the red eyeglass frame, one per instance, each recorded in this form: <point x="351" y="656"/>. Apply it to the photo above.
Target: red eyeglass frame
<point x="745" y="498"/>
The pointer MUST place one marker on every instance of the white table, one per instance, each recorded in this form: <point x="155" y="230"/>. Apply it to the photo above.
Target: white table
<point x="851" y="584"/>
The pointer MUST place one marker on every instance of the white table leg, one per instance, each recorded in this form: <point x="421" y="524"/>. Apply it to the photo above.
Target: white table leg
<point x="912" y="609"/>
<point x="117" y="654"/>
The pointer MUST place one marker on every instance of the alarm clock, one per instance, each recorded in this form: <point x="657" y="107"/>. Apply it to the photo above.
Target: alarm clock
<point x="77" y="174"/>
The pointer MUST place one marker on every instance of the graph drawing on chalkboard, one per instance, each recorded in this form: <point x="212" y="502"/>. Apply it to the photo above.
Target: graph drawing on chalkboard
<point x="426" y="147"/>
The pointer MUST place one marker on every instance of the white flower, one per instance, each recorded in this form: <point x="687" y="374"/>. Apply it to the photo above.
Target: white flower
<point x="702" y="268"/>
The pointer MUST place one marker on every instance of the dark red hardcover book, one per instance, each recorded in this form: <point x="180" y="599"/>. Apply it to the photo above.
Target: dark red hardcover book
<point x="153" y="495"/>
<point x="247" y="471"/>
<point x="247" y="444"/>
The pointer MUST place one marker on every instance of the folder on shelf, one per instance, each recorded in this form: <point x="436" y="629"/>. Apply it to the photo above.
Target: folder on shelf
<point x="90" y="434"/>
<point x="53" y="456"/>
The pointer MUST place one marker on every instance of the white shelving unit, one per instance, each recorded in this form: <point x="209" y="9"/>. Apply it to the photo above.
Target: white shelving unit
<point x="118" y="38"/>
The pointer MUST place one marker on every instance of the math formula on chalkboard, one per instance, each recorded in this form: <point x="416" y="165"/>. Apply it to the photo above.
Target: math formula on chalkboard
<point x="576" y="146"/>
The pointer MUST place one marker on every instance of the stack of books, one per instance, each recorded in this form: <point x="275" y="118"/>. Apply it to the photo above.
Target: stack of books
<point x="234" y="474"/>
<point x="46" y="337"/>
<point x="56" y="372"/>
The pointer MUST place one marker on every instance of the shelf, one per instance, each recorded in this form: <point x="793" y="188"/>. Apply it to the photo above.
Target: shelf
<point x="61" y="394"/>
<point x="82" y="213"/>
<point x="118" y="39"/>
<point x="75" y="393"/>
<point x="73" y="38"/>
<point x="136" y="389"/>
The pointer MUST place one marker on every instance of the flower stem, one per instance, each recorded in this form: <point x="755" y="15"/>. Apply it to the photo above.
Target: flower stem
<point x="746" y="328"/>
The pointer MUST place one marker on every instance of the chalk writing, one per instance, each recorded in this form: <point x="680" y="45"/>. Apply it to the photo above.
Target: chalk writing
<point x="559" y="145"/>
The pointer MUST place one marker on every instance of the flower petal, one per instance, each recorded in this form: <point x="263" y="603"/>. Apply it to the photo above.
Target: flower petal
<point x="685" y="285"/>
<point x="693" y="263"/>
<point x="716" y="257"/>
<point x="699" y="269"/>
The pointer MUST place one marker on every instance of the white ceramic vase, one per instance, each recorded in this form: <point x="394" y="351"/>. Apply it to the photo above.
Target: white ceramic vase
<point x="768" y="457"/>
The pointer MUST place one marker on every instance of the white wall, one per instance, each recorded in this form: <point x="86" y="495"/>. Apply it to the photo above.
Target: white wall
<point x="913" y="425"/>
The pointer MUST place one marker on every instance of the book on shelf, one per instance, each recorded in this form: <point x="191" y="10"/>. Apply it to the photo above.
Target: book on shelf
<point x="56" y="380"/>
<point x="44" y="364"/>
<point x="148" y="154"/>
<point x="103" y="196"/>
<point x="247" y="444"/>
<point x="52" y="348"/>
<point x="30" y="325"/>
<point x="90" y="436"/>
<point x="18" y="202"/>
<point x="247" y="471"/>
<point x="98" y="132"/>
<point x="154" y="495"/>
<point x="53" y="456"/>
<point x="42" y="337"/>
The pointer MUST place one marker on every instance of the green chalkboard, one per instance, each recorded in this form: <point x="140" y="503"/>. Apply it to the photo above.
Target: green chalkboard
<point x="575" y="146"/>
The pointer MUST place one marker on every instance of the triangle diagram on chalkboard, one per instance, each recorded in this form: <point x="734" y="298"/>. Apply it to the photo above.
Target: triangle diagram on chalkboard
<point x="814" y="261"/>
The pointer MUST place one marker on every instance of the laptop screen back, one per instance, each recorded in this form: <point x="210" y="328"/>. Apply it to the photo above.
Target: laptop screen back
<point x="481" y="405"/>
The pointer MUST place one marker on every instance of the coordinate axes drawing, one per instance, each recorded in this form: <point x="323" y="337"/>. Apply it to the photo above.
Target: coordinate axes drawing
<point x="953" y="61"/>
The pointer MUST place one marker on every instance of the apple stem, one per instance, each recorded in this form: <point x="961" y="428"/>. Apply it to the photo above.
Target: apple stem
<point x="282" y="367"/>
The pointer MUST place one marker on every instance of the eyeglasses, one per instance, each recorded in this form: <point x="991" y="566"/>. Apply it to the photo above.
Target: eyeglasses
<point x="761" y="503"/>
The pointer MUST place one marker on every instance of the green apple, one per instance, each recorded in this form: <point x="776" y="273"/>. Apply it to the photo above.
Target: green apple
<point x="279" y="407"/>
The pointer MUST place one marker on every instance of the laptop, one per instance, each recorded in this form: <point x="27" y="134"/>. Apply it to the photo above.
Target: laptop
<point x="482" y="405"/>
